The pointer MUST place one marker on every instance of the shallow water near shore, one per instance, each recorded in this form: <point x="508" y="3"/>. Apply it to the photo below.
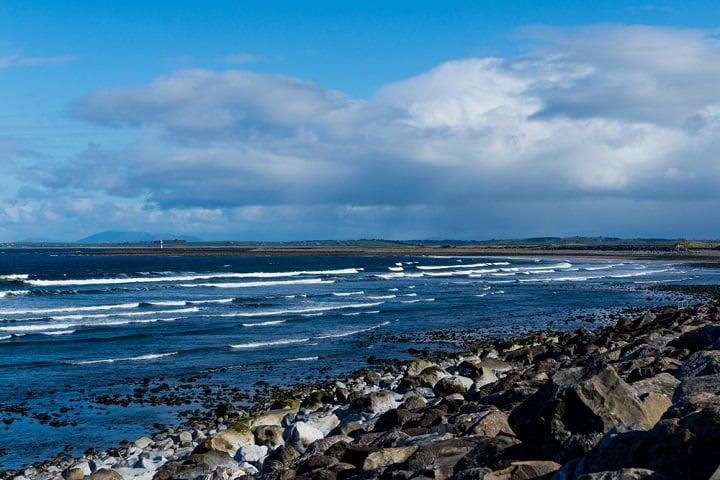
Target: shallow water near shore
<point x="96" y="349"/>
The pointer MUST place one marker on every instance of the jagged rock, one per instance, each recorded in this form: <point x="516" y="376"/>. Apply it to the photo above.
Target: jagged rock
<point x="490" y="423"/>
<point x="570" y="414"/>
<point x="496" y="453"/>
<point x="624" y="474"/>
<point x="437" y="459"/>
<point x="676" y="448"/>
<point x="698" y="339"/>
<point x="526" y="470"/>
<point x="700" y="364"/>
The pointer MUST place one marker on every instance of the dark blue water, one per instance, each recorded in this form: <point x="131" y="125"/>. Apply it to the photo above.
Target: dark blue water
<point x="75" y="329"/>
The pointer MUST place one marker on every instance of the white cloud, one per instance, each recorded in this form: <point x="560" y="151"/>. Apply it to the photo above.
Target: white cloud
<point x="18" y="59"/>
<point x="595" y="117"/>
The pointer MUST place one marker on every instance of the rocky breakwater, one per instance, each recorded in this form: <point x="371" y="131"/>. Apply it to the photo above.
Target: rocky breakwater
<point x="638" y="400"/>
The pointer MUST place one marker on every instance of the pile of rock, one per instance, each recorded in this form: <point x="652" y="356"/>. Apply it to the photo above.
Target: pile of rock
<point x="639" y="400"/>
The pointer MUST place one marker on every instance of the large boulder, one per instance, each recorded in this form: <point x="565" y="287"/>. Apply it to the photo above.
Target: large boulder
<point x="574" y="409"/>
<point x="678" y="448"/>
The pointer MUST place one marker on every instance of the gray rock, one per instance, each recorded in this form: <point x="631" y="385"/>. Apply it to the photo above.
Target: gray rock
<point x="301" y="435"/>
<point x="106" y="474"/>
<point x="453" y="384"/>
<point x="525" y="470"/>
<point x="570" y="414"/>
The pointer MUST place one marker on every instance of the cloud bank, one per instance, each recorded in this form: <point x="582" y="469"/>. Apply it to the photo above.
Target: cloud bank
<point x="607" y="129"/>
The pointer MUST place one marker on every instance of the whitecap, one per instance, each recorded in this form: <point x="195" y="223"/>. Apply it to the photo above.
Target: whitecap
<point x="263" y="324"/>
<point x="270" y="343"/>
<point x="150" y="356"/>
<point x="352" y="332"/>
<point x="185" y="278"/>
<point x="298" y="311"/>
<point x="303" y="359"/>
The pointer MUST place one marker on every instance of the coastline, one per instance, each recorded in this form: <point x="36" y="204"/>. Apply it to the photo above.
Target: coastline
<point x="376" y="421"/>
<point x="639" y="253"/>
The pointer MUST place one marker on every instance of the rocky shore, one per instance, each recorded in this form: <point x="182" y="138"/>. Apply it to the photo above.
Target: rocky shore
<point x="637" y="400"/>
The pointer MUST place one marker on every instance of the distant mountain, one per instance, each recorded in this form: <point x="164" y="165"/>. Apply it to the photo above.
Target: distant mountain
<point x="133" y="237"/>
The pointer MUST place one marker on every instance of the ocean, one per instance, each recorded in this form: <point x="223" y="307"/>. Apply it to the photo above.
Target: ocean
<point x="98" y="349"/>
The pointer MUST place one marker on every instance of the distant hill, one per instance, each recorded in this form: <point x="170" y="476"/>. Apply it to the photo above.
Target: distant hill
<point x="133" y="237"/>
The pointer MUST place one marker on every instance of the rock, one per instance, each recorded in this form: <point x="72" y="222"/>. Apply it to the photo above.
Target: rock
<point x="324" y="422"/>
<point x="675" y="447"/>
<point x="700" y="364"/>
<point x="438" y="459"/>
<point x="698" y="339"/>
<point x="386" y="457"/>
<point x="452" y="384"/>
<point x="269" y="435"/>
<point x="496" y="453"/>
<point x="106" y="474"/>
<point x="489" y="423"/>
<point x="272" y="417"/>
<point x="569" y="415"/>
<point x="143" y="442"/>
<point x="227" y="441"/>
<point x="415" y="367"/>
<point x="527" y="470"/>
<point x="624" y="474"/>
<point x="253" y="454"/>
<point x="183" y="438"/>
<point x="375" y="402"/>
<point x="319" y="447"/>
<point x="301" y="435"/>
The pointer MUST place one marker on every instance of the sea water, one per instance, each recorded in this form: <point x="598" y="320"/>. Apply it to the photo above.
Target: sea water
<point x="81" y="333"/>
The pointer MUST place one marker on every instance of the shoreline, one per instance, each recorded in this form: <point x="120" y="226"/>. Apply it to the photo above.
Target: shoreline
<point x="501" y="373"/>
<point x="407" y="250"/>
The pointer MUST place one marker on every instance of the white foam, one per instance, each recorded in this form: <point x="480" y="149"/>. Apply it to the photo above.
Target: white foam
<point x="271" y="283"/>
<point x="396" y="269"/>
<point x="142" y="313"/>
<point x="218" y="300"/>
<point x="183" y="278"/>
<point x="14" y="293"/>
<point x="352" y="332"/>
<point x="470" y="265"/>
<point x="263" y="324"/>
<point x="37" y="328"/>
<point x="166" y="303"/>
<point x="347" y="294"/>
<point x="151" y="356"/>
<point x="59" y="332"/>
<point x="382" y="297"/>
<point x="17" y="277"/>
<point x="303" y="359"/>
<point x="5" y="337"/>
<point x="297" y="311"/>
<point x="92" y="308"/>
<point x="269" y="344"/>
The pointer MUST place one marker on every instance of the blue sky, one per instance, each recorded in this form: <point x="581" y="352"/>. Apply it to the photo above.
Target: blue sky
<point x="360" y="119"/>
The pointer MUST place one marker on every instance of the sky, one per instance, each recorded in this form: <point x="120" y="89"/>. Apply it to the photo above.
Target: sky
<point x="287" y="120"/>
